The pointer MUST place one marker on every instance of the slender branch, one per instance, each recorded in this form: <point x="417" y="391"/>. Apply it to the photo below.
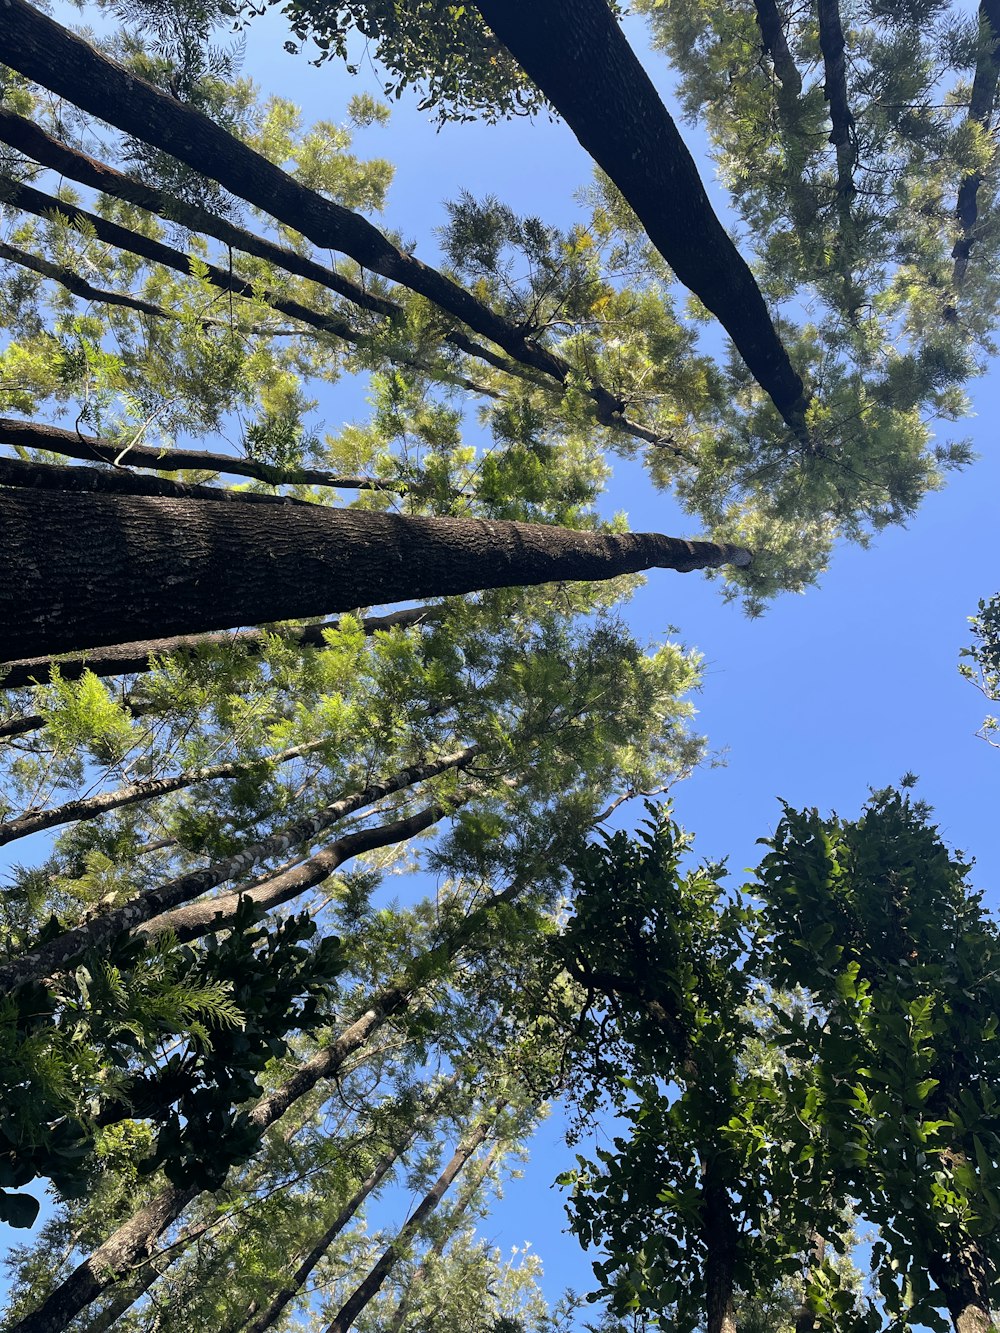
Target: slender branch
<point x="125" y="658"/>
<point x="202" y="918"/>
<point x="369" y="1287"/>
<point x="90" y="807"/>
<point x="54" y="477"/>
<point x="91" y="448"/>
<point x="45" y="52"/>
<point x="772" y="34"/>
<point x="59" y="952"/>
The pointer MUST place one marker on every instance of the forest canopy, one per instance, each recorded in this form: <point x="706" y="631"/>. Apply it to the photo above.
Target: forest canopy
<point x="323" y="726"/>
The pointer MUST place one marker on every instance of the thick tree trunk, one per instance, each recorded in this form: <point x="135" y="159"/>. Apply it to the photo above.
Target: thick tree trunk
<point x="965" y="1280"/>
<point x="369" y="1287"/>
<point x="720" y="1235"/>
<point x="125" y="658"/>
<point x="58" y="952"/>
<point x="99" y="569"/>
<point x="576" y="53"/>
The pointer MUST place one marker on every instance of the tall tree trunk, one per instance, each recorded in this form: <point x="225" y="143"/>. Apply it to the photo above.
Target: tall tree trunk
<point x="576" y="53"/>
<point x="720" y="1235"/>
<point x="369" y="1287"/>
<point x="197" y="919"/>
<point x="125" y="658"/>
<point x="469" y="1191"/>
<point x="58" y="952"/>
<point x="91" y="570"/>
<point x="258" y="1321"/>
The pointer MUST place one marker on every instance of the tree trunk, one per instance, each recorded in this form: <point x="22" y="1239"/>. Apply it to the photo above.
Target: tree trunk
<point x="576" y="53"/>
<point x="120" y="481"/>
<point x="124" y="658"/>
<point x="58" y="952"/>
<point x="720" y="1235"/>
<point x="368" y="1288"/>
<point x="197" y="919"/>
<point x="259" y="1322"/>
<point x="965" y="1280"/>
<point x="100" y="569"/>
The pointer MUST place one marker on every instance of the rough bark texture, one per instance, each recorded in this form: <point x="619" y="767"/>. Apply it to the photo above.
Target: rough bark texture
<point x="90" y="807"/>
<point x="91" y="448"/>
<point x="981" y="104"/>
<point x="91" y="480"/>
<point x="131" y="1244"/>
<point x="197" y="919"/>
<point x="58" y="952"/>
<point x="576" y="53"/>
<point x="965" y="1280"/>
<point x="721" y="1238"/>
<point x="831" y="40"/>
<point x="102" y="569"/>
<point x="369" y="1287"/>
<point x="123" y="658"/>
<point x="47" y="53"/>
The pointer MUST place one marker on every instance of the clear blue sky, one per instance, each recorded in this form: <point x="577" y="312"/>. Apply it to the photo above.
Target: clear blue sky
<point x="830" y="693"/>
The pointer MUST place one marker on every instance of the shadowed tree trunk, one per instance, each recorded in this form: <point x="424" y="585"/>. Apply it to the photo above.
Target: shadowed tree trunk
<point x="981" y="104"/>
<point x="99" y="569"/>
<point x="965" y="1280"/>
<point x="576" y="53"/>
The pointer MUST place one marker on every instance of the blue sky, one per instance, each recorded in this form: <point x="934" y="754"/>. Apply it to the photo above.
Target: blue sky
<point x="830" y="693"/>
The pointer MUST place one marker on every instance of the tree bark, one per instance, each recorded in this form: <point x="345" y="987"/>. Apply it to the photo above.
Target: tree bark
<point x="964" y="1278"/>
<point x="197" y="919"/>
<point x="91" y="448"/>
<point x="258" y="1322"/>
<point x="104" y="569"/>
<point x="772" y="35"/>
<point x="721" y="1238"/>
<point x="124" y="658"/>
<point x="57" y="953"/>
<point x="576" y="53"/>
<point x="368" y="1288"/>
